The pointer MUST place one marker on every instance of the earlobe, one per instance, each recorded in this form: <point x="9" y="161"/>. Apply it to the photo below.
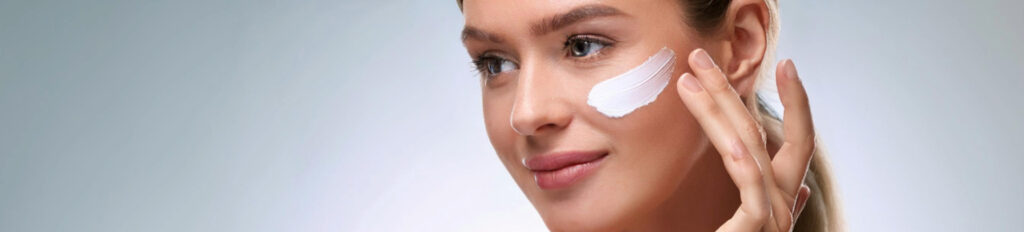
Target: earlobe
<point x="748" y="41"/>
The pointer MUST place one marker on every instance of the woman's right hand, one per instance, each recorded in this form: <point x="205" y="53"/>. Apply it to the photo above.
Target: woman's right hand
<point x="771" y="190"/>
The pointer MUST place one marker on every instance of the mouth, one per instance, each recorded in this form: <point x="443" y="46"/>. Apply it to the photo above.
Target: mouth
<point x="560" y="170"/>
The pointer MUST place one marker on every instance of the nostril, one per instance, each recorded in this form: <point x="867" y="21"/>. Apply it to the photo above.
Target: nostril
<point x="539" y="107"/>
<point x="536" y="125"/>
<point x="546" y="127"/>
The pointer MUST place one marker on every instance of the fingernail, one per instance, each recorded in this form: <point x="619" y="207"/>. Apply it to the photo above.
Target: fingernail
<point x="690" y="82"/>
<point x="703" y="60"/>
<point x="738" y="151"/>
<point x="791" y="70"/>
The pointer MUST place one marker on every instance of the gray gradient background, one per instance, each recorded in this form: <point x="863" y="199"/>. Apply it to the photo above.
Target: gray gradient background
<point x="365" y="116"/>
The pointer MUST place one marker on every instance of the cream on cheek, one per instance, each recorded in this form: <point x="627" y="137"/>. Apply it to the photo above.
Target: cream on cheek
<point x="621" y="95"/>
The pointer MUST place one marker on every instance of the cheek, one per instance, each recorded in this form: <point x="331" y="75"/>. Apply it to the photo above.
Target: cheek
<point x="663" y="126"/>
<point x="497" y="110"/>
<point x="507" y="143"/>
<point x="654" y="149"/>
<point x="665" y="129"/>
<point x="659" y="144"/>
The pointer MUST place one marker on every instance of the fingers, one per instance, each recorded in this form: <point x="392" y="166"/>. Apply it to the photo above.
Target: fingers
<point x="726" y="98"/>
<point x="731" y="129"/>
<point x="755" y="209"/>
<point x="730" y="126"/>
<point x="709" y="115"/>
<point x="718" y="86"/>
<point x="801" y="201"/>
<point x="754" y="213"/>
<point x="794" y="156"/>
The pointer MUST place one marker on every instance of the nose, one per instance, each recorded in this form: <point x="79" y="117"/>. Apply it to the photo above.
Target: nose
<point x="541" y="104"/>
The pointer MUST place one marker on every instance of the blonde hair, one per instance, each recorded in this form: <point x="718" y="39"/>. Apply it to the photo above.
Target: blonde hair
<point x="821" y="211"/>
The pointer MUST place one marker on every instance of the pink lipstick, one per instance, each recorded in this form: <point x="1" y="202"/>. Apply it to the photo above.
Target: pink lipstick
<point x="562" y="169"/>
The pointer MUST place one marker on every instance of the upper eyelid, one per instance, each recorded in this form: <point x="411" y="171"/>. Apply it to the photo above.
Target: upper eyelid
<point x="497" y="54"/>
<point x="604" y="40"/>
<point x="490" y="55"/>
<point x="594" y="38"/>
<point x="589" y="37"/>
<point x="607" y="43"/>
<point x="494" y="54"/>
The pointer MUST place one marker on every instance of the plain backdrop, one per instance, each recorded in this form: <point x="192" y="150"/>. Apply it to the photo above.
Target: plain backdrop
<point x="366" y="115"/>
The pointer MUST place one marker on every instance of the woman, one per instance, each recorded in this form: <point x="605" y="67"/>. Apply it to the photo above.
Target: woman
<point x="699" y="154"/>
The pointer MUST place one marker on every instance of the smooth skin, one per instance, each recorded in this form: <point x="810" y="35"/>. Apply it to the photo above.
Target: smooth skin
<point x="771" y="199"/>
<point x="664" y="169"/>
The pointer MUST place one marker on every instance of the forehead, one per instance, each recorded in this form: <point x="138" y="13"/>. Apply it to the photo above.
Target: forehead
<point x="517" y="16"/>
<point x="488" y="11"/>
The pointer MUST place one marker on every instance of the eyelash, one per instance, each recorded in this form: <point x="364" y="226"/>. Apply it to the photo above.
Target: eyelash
<point x="480" y="62"/>
<point x="605" y="43"/>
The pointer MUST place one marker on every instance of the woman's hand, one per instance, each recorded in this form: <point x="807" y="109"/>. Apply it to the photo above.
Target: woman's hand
<point x="771" y="191"/>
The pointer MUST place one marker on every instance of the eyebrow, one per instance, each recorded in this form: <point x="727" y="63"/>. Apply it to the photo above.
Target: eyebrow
<point x="548" y="25"/>
<point x="574" y="16"/>
<point x="470" y="32"/>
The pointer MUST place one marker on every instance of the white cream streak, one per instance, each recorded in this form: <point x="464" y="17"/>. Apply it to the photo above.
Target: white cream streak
<point x="621" y="95"/>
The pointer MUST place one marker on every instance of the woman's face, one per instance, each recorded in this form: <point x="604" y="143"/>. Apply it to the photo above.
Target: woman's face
<point x="538" y="62"/>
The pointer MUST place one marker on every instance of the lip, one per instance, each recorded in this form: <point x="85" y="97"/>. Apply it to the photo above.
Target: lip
<point x="560" y="170"/>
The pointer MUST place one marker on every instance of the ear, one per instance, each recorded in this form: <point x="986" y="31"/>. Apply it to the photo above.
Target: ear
<point x="745" y="29"/>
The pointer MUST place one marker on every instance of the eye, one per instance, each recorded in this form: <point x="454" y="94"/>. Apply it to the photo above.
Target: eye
<point x="584" y="46"/>
<point x="491" y="66"/>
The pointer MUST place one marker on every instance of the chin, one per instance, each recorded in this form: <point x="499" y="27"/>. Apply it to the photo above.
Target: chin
<point x="581" y="221"/>
<point x="594" y="205"/>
